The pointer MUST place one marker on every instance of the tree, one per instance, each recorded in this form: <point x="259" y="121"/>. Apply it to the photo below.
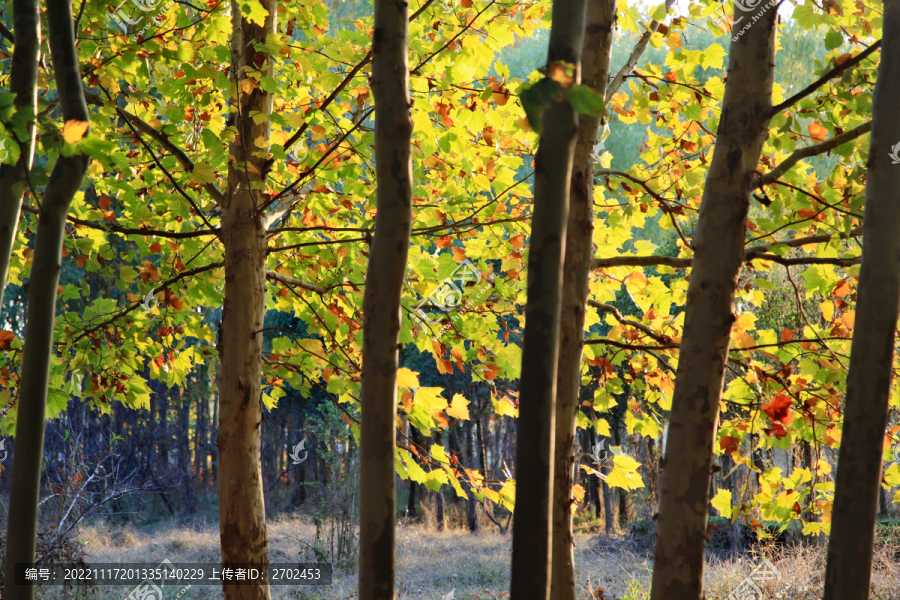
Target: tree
<point x="242" y="514"/>
<point x="599" y="23"/>
<point x="532" y="528"/>
<point x="718" y="255"/>
<point x="65" y="181"/>
<point x="23" y="84"/>
<point x="859" y="471"/>
<point x="381" y="302"/>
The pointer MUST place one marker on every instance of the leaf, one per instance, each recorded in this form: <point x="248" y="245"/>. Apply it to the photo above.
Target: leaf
<point x="817" y="131"/>
<point x="73" y="131"/>
<point x="203" y="173"/>
<point x="577" y="493"/>
<point x="586" y="101"/>
<point x="407" y="379"/>
<point x="536" y="98"/>
<point x="459" y="408"/>
<point x="722" y="503"/>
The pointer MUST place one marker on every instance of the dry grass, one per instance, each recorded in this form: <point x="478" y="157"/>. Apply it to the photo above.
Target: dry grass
<point x="431" y="564"/>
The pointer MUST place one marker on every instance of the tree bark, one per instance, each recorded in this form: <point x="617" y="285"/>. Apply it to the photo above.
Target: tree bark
<point x="600" y="20"/>
<point x="23" y="78"/>
<point x="381" y="301"/>
<point x="65" y="181"/>
<point x="859" y="465"/>
<point x="718" y="254"/>
<point x="533" y="526"/>
<point x="242" y="514"/>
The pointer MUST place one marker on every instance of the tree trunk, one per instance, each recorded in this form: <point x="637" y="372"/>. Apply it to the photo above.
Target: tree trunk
<point x="472" y="503"/>
<point x="600" y="20"/>
<point x="858" y="476"/>
<point x="242" y="514"/>
<point x="381" y="301"/>
<point x="439" y="502"/>
<point x="533" y="526"/>
<point x="23" y="85"/>
<point x="718" y="255"/>
<point x="65" y="181"/>
<point x="620" y="492"/>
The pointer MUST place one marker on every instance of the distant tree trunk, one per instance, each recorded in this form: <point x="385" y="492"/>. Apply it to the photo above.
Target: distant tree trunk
<point x="859" y="465"/>
<point x="472" y="504"/>
<point x="162" y="433"/>
<point x="65" y="181"/>
<point x="184" y="449"/>
<point x="416" y="438"/>
<point x="600" y="20"/>
<point x="535" y="439"/>
<point x="652" y="473"/>
<point x="620" y="492"/>
<point x="381" y="300"/>
<point x="439" y="502"/>
<point x="23" y="78"/>
<point x="242" y="515"/>
<point x="718" y="255"/>
<point x="201" y="439"/>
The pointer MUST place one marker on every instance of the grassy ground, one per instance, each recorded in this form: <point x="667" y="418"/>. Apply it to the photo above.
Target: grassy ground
<point x="476" y="567"/>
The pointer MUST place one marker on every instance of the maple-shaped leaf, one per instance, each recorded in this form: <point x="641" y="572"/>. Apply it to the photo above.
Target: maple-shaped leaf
<point x="73" y="131"/>
<point x="459" y="408"/>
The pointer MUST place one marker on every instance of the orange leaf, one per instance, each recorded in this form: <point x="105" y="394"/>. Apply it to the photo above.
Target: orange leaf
<point x="445" y="241"/>
<point x="729" y="444"/>
<point x="459" y="254"/>
<point x="817" y="131"/>
<point x="155" y="247"/>
<point x="517" y="241"/>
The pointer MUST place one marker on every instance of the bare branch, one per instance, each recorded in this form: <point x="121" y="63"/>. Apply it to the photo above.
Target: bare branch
<point x="295" y="282"/>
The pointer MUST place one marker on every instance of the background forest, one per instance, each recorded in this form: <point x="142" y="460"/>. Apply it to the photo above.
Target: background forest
<point x="132" y="459"/>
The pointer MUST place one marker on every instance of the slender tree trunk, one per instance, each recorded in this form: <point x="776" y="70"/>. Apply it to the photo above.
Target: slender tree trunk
<point x="533" y="526"/>
<point x="65" y="181"/>
<point x="599" y="22"/>
<point x="381" y="301"/>
<point x="718" y="255"/>
<point x="472" y="503"/>
<point x="439" y="502"/>
<point x="858" y="477"/>
<point x="620" y="492"/>
<point x="23" y="85"/>
<point x="242" y="515"/>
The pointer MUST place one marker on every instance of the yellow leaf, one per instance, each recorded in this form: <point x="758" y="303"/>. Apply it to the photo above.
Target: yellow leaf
<point x="439" y="454"/>
<point x="459" y="408"/>
<point x="407" y="379"/>
<point x="503" y="406"/>
<point x="73" y="131"/>
<point x="491" y="495"/>
<point x="827" y="310"/>
<point x="673" y="41"/>
<point x="577" y="493"/>
<point x="430" y="399"/>
<point x="722" y="503"/>
<point x="602" y="427"/>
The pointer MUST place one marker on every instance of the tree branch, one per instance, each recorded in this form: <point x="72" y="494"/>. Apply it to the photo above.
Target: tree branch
<point x="813" y="150"/>
<point x="295" y="282"/>
<point x="631" y="63"/>
<point x="824" y="78"/>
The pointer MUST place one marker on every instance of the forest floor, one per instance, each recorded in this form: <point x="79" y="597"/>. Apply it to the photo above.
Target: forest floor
<point x="431" y="564"/>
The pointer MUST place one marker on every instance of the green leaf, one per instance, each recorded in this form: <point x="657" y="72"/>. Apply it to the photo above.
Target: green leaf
<point x="536" y="98"/>
<point x="586" y="101"/>
<point x="833" y="39"/>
